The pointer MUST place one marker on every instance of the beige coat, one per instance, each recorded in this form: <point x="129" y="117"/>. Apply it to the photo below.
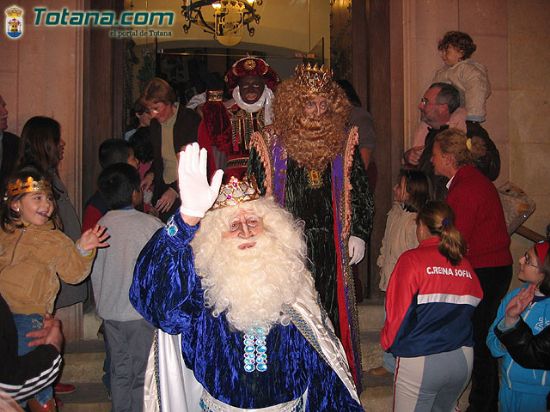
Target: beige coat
<point x="472" y="81"/>
<point x="400" y="236"/>
<point x="29" y="260"/>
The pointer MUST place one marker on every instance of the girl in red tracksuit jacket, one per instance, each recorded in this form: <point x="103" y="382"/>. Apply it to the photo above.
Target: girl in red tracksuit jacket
<point x="430" y="299"/>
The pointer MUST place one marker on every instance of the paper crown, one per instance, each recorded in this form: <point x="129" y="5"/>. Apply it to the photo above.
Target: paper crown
<point x="236" y="192"/>
<point x="316" y="79"/>
<point x="251" y="66"/>
<point x="28" y="186"/>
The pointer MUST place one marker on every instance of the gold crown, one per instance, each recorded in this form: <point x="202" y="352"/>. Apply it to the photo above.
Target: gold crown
<point x="14" y="12"/>
<point x="316" y="79"/>
<point x="236" y="192"/>
<point x="28" y="186"/>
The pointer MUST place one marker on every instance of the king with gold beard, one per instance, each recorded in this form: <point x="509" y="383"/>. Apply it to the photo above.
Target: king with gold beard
<point x="309" y="162"/>
<point x="240" y="326"/>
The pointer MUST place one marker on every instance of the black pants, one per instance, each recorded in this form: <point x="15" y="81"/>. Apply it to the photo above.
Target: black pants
<point x="495" y="282"/>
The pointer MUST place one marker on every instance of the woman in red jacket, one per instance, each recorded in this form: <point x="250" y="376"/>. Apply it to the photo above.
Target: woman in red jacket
<point x="430" y="299"/>
<point x="480" y="220"/>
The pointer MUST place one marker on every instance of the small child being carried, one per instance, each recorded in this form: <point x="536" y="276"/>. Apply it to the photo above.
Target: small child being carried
<point x="469" y="77"/>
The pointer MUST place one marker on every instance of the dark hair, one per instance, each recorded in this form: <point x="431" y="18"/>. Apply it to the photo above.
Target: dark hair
<point x="139" y="107"/>
<point x="117" y="184"/>
<point x="460" y="40"/>
<point x="418" y="188"/>
<point x="9" y="218"/>
<point x="140" y="141"/>
<point x="39" y="143"/>
<point x="347" y="87"/>
<point x="544" y="268"/>
<point x="439" y="218"/>
<point x="448" y="94"/>
<point x="113" y="151"/>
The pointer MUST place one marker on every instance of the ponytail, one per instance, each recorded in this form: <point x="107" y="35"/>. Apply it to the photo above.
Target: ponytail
<point x="438" y="217"/>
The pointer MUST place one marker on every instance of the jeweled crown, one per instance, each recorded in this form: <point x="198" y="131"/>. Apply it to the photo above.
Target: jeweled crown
<point x="236" y="192"/>
<point x="28" y="186"/>
<point x="315" y="78"/>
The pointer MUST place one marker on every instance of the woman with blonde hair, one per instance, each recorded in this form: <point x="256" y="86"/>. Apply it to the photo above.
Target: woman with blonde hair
<point x="430" y="299"/>
<point x="480" y="219"/>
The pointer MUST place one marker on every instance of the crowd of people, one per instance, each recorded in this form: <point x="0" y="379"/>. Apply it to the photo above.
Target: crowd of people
<point x="221" y="241"/>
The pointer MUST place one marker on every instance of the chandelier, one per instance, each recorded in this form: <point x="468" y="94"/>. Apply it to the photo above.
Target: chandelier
<point x="225" y="19"/>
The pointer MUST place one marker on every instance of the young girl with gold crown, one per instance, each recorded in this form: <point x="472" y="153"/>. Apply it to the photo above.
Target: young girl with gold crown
<point x="33" y="253"/>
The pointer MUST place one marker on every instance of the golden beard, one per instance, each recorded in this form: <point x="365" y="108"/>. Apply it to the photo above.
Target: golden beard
<point x="314" y="142"/>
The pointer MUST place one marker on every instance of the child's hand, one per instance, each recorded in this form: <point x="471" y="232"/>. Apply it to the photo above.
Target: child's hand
<point x="518" y="304"/>
<point x="93" y="238"/>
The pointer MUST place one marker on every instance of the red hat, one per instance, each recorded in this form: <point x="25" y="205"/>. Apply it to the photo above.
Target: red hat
<point x="251" y="66"/>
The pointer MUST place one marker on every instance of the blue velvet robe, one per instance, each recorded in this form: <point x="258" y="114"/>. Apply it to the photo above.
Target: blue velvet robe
<point x="167" y="292"/>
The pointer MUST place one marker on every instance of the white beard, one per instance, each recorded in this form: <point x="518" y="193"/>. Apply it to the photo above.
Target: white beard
<point x="250" y="285"/>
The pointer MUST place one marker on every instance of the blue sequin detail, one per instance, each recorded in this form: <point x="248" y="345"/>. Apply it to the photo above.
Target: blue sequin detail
<point x="255" y="356"/>
<point x="171" y="227"/>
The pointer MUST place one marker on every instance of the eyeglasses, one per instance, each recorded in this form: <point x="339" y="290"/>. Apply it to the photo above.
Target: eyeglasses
<point x="527" y="260"/>
<point x="425" y="102"/>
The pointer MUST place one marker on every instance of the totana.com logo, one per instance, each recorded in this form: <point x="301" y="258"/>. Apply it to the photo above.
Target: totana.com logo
<point x="13" y="22"/>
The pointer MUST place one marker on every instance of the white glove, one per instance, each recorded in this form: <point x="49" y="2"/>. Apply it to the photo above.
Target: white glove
<point x="356" y="247"/>
<point x="197" y="196"/>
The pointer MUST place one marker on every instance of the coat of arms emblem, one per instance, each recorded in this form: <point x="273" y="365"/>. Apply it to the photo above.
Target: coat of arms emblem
<point x="14" y="22"/>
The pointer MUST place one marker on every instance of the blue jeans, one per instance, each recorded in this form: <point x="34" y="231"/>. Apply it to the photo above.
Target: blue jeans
<point x="24" y="325"/>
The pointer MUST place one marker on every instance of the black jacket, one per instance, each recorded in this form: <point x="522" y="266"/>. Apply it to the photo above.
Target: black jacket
<point x="23" y="376"/>
<point x="10" y="148"/>
<point x="528" y="350"/>
<point x="185" y="132"/>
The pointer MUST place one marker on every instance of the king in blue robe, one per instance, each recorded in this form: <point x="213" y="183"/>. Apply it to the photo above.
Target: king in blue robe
<point x="203" y="357"/>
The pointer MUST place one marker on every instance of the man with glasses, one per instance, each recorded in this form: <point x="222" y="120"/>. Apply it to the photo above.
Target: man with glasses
<point x="437" y="105"/>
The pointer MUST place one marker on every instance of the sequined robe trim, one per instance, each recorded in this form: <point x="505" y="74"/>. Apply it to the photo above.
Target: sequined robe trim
<point x="261" y="145"/>
<point x="309" y="318"/>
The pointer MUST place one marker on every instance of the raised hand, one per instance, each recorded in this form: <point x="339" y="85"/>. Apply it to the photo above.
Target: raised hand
<point x="517" y="305"/>
<point x="197" y="196"/>
<point x="93" y="238"/>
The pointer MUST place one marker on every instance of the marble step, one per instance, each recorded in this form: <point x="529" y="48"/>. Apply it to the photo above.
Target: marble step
<point x="83" y="361"/>
<point x="371" y="315"/>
